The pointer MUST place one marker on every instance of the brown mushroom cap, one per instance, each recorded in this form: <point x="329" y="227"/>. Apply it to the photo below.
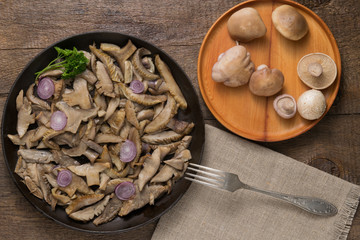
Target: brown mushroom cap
<point x="285" y="106"/>
<point x="317" y="70"/>
<point x="311" y="104"/>
<point x="265" y="81"/>
<point x="246" y="25"/>
<point x="289" y="22"/>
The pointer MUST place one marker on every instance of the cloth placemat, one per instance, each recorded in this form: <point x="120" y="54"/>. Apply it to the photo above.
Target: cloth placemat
<point x="206" y="213"/>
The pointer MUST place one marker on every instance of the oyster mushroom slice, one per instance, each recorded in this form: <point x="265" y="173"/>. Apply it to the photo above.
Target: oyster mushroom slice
<point x="115" y="74"/>
<point x="90" y="212"/>
<point x="79" y="96"/>
<point x="174" y="89"/>
<point x="116" y="121"/>
<point x="177" y="125"/>
<point x="128" y="74"/>
<point x="82" y="201"/>
<point x="234" y="67"/>
<point x="317" y="70"/>
<point x="75" y="116"/>
<point x="24" y="118"/>
<point x="35" y="100"/>
<point x="151" y="165"/>
<point x="90" y="171"/>
<point x="145" y="114"/>
<point x="142" y="198"/>
<point x="113" y="104"/>
<point x="104" y="84"/>
<point x="165" y="173"/>
<point x="52" y="73"/>
<point x="89" y="76"/>
<point x="139" y="67"/>
<point x="19" y="100"/>
<point x="110" y="211"/>
<point x="134" y="136"/>
<point x="164" y="117"/>
<point x="131" y="114"/>
<point x="108" y="138"/>
<point x="120" y="54"/>
<point x="285" y="106"/>
<point x="77" y="184"/>
<point x="143" y="99"/>
<point x="35" y="156"/>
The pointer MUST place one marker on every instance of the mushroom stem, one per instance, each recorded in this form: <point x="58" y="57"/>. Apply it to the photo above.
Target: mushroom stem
<point x="315" y="69"/>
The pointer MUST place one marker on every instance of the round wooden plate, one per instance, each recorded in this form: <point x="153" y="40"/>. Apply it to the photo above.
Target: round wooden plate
<point x="238" y="109"/>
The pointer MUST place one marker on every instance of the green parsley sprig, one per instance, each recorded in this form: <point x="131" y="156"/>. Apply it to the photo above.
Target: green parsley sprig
<point x="72" y="61"/>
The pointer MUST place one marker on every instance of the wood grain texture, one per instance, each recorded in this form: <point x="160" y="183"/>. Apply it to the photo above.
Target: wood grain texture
<point x="178" y="27"/>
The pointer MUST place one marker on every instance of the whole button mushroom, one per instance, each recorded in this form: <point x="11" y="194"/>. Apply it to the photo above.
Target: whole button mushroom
<point x="285" y="106"/>
<point x="289" y="22"/>
<point x="265" y="81"/>
<point x="246" y="25"/>
<point x="317" y="70"/>
<point x="311" y="104"/>
<point x="234" y="67"/>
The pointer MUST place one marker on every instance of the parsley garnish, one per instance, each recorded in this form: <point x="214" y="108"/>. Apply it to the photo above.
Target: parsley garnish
<point x="73" y="62"/>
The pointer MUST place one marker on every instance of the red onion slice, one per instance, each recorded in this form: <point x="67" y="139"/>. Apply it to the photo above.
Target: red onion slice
<point x="137" y="86"/>
<point x="58" y="120"/>
<point x="45" y="88"/>
<point x="125" y="190"/>
<point x="127" y="151"/>
<point x="64" y="178"/>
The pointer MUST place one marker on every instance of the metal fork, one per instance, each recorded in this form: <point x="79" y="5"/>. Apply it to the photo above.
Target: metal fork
<point x="229" y="181"/>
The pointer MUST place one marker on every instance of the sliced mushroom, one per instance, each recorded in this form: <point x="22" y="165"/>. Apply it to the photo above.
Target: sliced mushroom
<point x="35" y="156"/>
<point x="145" y="114"/>
<point x="77" y="184"/>
<point x="108" y="138"/>
<point x="82" y="201"/>
<point x="33" y="188"/>
<point x="35" y="100"/>
<point x="19" y="100"/>
<point x="129" y="71"/>
<point x="63" y="199"/>
<point x="24" y="118"/>
<point x="177" y="125"/>
<point x="134" y="136"/>
<point x="113" y="104"/>
<point x="111" y="185"/>
<point x="164" y="137"/>
<point x="165" y="173"/>
<point x="91" y="172"/>
<point x="148" y="64"/>
<point x="142" y="198"/>
<point x="115" y="75"/>
<point x="20" y="167"/>
<point x="105" y="155"/>
<point x="144" y="99"/>
<point x="174" y="89"/>
<point x="26" y="140"/>
<point x="79" y="96"/>
<point x="120" y="54"/>
<point x="52" y="73"/>
<point x="176" y="163"/>
<point x="89" y="76"/>
<point x="116" y="121"/>
<point x="151" y="166"/>
<point x="104" y="84"/>
<point x="139" y="67"/>
<point x="161" y="120"/>
<point x="89" y="213"/>
<point x="75" y="116"/>
<point x="43" y="118"/>
<point x="63" y="160"/>
<point x="100" y="101"/>
<point x="130" y="114"/>
<point x="59" y="86"/>
<point x="110" y="211"/>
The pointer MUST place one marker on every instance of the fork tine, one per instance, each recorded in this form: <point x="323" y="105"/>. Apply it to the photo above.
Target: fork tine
<point x="204" y="183"/>
<point x="213" y="175"/>
<point x="199" y="177"/>
<point x="206" y="168"/>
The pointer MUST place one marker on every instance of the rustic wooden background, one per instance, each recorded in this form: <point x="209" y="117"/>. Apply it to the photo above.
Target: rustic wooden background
<point x="178" y="27"/>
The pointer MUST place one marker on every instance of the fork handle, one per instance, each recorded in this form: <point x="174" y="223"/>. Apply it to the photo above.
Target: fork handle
<point x="313" y="205"/>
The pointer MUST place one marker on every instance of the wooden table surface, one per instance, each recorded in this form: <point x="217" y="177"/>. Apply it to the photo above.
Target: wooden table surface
<point x="178" y="27"/>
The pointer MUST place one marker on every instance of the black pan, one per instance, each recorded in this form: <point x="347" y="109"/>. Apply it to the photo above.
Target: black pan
<point x="139" y="217"/>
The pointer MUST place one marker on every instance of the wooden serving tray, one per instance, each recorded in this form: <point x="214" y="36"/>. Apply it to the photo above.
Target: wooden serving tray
<point x="238" y="109"/>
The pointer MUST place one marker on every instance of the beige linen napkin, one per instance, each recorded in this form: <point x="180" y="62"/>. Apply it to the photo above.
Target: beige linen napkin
<point x="206" y="213"/>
